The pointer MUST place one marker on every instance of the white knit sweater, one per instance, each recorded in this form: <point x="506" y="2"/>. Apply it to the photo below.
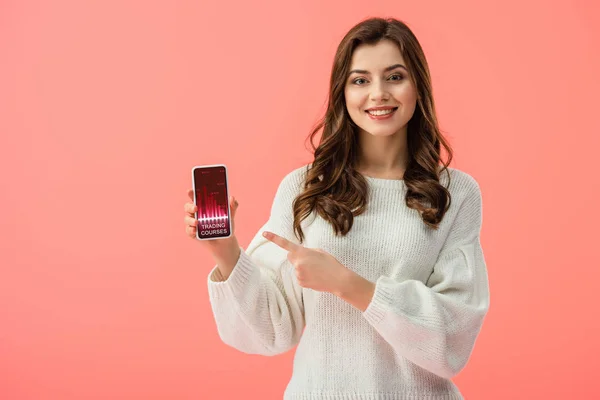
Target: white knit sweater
<point x="431" y="297"/>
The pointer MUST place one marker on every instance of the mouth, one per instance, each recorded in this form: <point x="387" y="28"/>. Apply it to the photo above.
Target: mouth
<point x="381" y="113"/>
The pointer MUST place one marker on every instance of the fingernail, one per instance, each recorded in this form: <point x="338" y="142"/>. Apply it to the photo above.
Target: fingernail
<point x="266" y="234"/>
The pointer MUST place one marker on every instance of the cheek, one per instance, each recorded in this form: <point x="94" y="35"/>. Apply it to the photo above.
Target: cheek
<point x="406" y="95"/>
<point x="353" y="101"/>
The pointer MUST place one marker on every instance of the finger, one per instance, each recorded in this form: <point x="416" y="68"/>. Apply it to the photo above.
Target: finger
<point x="191" y="231"/>
<point x="190" y="221"/>
<point x="190" y="208"/>
<point x="234" y="206"/>
<point x="191" y="194"/>
<point x="281" y="241"/>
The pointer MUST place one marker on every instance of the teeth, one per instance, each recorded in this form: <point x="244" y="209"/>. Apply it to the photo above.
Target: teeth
<point x="381" y="112"/>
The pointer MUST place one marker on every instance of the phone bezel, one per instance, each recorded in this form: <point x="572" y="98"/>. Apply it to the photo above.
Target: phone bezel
<point x="228" y="202"/>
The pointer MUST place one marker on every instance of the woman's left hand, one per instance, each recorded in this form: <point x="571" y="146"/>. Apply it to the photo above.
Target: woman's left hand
<point x="315" y="268"/>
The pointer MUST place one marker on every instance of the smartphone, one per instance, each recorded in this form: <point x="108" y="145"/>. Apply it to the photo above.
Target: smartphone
<point x="211" y="197"/>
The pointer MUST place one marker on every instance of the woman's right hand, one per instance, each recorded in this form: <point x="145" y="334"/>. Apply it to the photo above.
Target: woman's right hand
<point x="218" y="247"/>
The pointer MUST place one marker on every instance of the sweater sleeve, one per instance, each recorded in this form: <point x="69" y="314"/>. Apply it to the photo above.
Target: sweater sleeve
<point x="259" y="309"/>
<point x="435" y="324"/>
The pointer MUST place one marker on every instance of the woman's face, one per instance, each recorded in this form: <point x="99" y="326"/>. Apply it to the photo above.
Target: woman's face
<point x="382" y="80"/>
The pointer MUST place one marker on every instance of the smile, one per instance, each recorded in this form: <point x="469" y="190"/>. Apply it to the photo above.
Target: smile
<point x="381" y="114"/>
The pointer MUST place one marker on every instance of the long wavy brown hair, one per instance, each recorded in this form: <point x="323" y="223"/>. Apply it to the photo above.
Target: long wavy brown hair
<point x="342" y="192"/>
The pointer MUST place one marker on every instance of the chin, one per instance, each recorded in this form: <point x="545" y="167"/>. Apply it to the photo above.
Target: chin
<point x="382" y="131"/>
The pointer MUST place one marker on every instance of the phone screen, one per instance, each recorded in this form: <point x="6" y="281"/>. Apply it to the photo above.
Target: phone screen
<point x="212" y="200"/>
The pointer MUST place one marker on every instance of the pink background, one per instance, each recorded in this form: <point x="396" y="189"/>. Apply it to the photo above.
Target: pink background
<point x="106" y="105"/>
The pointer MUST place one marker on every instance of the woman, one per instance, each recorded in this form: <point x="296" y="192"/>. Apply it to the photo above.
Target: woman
<point x="371" y="259"/>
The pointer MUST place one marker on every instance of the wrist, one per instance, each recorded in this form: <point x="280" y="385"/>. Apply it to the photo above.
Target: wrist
<point x="346" y="283"/>
<point x="228" y="253"/>
<point x="357" y="291"/>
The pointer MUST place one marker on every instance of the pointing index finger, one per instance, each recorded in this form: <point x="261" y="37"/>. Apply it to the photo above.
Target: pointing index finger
<point x="281" y="241"/>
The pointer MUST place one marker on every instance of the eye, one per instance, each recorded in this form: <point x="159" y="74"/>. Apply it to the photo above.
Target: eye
<point x="400" y="77"/>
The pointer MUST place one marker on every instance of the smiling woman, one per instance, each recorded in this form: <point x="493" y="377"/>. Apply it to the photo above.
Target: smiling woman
<point x="384" y="289"/>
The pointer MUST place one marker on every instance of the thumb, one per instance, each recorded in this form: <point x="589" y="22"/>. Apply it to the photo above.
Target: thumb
<point x="233" y="204"/>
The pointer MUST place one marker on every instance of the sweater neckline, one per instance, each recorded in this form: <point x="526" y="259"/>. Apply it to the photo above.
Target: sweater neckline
<point x="385" y="183"/>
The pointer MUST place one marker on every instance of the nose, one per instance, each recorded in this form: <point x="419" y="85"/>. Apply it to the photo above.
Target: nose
<point x="379" y="92"/>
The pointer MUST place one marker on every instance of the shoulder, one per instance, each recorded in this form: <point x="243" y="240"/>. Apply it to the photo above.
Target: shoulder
<point x="296" y="177"/>
<point x="297" y="174"/>
<point x="292" y="182"/>
<point x="466" y="200"/>
<point x="466" y="196"/>
<point x="460" y="183"/>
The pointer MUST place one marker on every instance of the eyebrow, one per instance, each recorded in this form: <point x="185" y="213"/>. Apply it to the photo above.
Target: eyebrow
<point x="391" y="67"/>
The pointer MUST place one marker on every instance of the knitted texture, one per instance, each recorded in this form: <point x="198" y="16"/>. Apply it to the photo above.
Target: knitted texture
<point x="418" y="332"/>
